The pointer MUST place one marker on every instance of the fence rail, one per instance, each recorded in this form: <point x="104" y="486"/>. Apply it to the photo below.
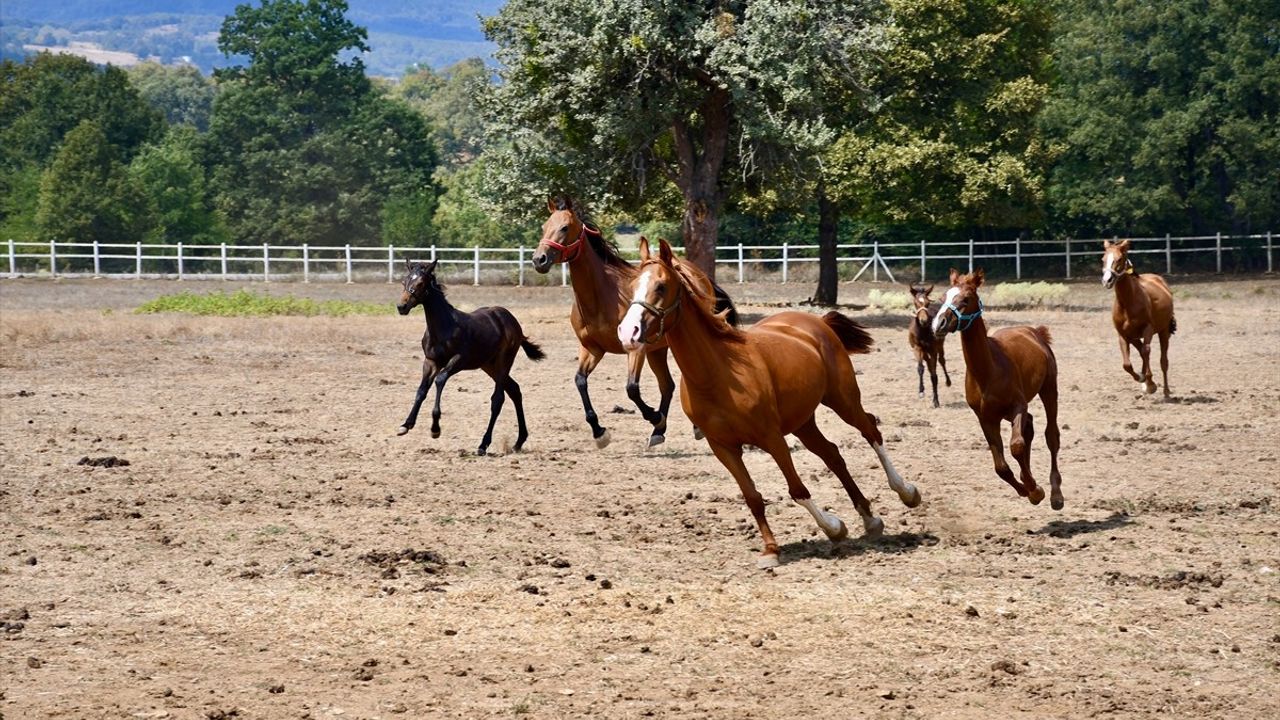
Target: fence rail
<point x="1041" y="258"/>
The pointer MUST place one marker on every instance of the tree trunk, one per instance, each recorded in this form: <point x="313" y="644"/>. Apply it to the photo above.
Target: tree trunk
<point x="828" y="275"/>
<point x="698" y="177"/>
<point x="700" y="230"/>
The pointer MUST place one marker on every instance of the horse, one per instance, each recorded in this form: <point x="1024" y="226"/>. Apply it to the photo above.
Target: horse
<point x="599" y="275"/>
<point x="487" y="339"/>
<point x="1143" y="307"/>
<point x="927" y="347"/>
<point x="1005" y="371"/>
<point x="758" y="386"/>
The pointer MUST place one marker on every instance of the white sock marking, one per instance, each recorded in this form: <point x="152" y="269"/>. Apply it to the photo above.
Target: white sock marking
<point x="830" y="524"/>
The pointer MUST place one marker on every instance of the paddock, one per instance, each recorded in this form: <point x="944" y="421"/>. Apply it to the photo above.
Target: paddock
<point x="273" y="549"/>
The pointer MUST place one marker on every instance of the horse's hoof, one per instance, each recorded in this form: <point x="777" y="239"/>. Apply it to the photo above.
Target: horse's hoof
<point x="841" y="530"/>
<point x="435" y="434"/>
<point x="655" y="440"/>
<point x="697" y="433"/>
<point x="936" y="405"/>
<point x="873" y="527"/>
<point x="482" y="451"/>
<point x="1035" y="495"/>
<point x="911" y="499"/>
<point x="767" y="560"/>
<point x="921" y="395"/>
<point x="1151" y="388"/>
<point x="402" y="430"/>
<point x="1056" y="502"/>
<point x="604" y="439"/>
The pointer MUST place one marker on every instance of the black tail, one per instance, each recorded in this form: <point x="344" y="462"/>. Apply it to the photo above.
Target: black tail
<point x="853" y="336"/>
<point x="1173" y="325"/>
<point x="724" y="302"/>
<point x="532" y="350"/>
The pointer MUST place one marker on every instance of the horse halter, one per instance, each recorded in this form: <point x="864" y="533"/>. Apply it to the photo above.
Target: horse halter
<point x="661" y="314"/>
<point x="963" y="321"/>
<point x="575" y="246"/>
<point x="1128" y="267"/>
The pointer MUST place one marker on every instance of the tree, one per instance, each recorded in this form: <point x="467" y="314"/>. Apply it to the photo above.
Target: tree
<point x="182" y="93"/>
<point x="86" y="195"/>
<point x="173" y="181"/>
<point x="463" y="219"/>
<point x="446" y="99"/>
<point x="596" y="98"/>
<point x="1169" y="114"/>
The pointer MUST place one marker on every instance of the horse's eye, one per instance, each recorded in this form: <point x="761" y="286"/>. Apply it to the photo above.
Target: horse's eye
<point x="660" y="288"/>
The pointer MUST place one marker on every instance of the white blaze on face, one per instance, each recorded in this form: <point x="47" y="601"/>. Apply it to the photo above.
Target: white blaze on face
<point x="629" y="328"/>
<point x="950" y="299"/>
<point x="1108" y="263"/>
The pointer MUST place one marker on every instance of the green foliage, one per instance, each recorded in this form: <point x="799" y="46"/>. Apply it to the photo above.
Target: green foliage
<point x="244" y="303"/>
<point x="406" y="220"/>
<point x="1027" y="294"/>
<point x="87" y="194"/>
<point x="19" y="197"/>
<point x="896" y="299"/>
<point x="463" y="219"/>
<point x="173" y="181"/>
<point x="1168" y="114"/>
<point x="181" y="93"/>
<point x="446" y="99"/>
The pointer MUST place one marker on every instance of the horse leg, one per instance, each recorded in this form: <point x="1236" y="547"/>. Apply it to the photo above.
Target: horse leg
<point x="635" y="363"/>
<point x="942" y="360"/>
<point x="849" y="408"/>
<point x="933" y="376"/>
<point x="1124" y="358"/>
<point x="1164" y="360"/>
<point x="1145" y="350"/>
<point x="818" y="444"/>
<point x="441" y="379"/>
<point x="587" y="361"/>
<point x="992" y="432"/>
<point x="666" y="386"/>
<point x="731" y="458"/>
<point x="513" y="391"/>
<point x="495" y="406"/>
<point x="920" y="368"/>
<point x="1049" y="397"/>
<point x="1020" y="447"/>
<point x="428" y="374"/>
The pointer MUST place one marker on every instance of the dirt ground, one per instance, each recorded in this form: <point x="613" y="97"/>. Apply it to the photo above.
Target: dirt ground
<point x="273" y="550"/>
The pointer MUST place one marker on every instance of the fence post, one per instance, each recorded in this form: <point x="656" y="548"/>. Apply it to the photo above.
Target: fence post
<point x="306" y="263"/>
<point x="223" y="255"/>
<point x="875" y="261"/>
<point x="433" y="253"/>
<point x="53" y="259"/>
<point x="564" y="274"/>
<point x="1218" y="247"/>
<point x="137" y="269"/>
<point x="475" y="273"/>
<point x="740" y="263"/>
<point x="1017" y="253"/>
<point x="1268" y="252"/>
<point x="391" y="264"/>
<point x="970" y="254"/>
<point x="13" y="257"/>
<point x="785" y="252"/>
<point x="348" y="257"/>
<point x="266" y="263"/>
<point x="520" y="264"/>
<point x="922" y="260"/>
<point x="180" y="268"/>
<point x="1067" y="255"/>
<point x="1168" y="255"/>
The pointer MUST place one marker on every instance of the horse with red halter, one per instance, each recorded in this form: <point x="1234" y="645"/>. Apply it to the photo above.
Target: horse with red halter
<point x="1143" y="307"/>
<point x="487" y="339"/>
<point x="758" y="386"/>
<point x="927" y="346"/>
<point x="1004" y="372"/>
<point x="601" y="279"/>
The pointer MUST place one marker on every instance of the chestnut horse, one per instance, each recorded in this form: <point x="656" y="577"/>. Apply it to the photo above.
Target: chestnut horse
<point x="758" y="386"/>
<point x="601" y="279"/>
<point x="1143" y="307"/>
<point x="487" y="339"/>
<point x="1004" y="373"/>
<point x="927" y="347"/>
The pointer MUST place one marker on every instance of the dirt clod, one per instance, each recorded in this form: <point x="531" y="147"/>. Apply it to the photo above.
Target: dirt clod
<point x="106" y="461"/>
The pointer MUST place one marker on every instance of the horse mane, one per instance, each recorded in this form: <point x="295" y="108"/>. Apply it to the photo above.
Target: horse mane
<point x="704" y="308"/>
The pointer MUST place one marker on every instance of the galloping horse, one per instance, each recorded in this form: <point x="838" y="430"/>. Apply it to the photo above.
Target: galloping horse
<point x="1143" y="307"/>
<point x="757" y="387"/>
<point x="601" y="279"/>
<point x="1004" y="372"/>
<point x="487" y="339"/>
<point x="927" y="347"/>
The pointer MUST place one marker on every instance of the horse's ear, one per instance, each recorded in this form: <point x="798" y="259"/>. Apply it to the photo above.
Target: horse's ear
<point x="978" y="276"/>
<point x="955" y="275"/>
<point x="928" y="290"/>
<point x="644" y="249"/>
<point x="1123" y="245"/>
<point x="1106" y="244"/>
<point x="664" y="252"/>
<point x="432" y="267"/>
<point x="551" y="204"/>
<point x="408" y="264"/>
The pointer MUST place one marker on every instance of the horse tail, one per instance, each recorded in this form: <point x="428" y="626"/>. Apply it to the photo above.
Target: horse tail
<point x="1043" y="332"/>
<point x="532" y="350"/>
<point x="854" y="337"/>
<point x="723" y="303"/>
<point x="1173" y="324"/>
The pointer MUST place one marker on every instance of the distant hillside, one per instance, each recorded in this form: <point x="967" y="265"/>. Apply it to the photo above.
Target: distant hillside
<point x="401" y="32"/>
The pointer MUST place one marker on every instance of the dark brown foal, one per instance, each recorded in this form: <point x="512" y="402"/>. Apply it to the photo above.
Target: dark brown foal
<point x="929" y="348"/>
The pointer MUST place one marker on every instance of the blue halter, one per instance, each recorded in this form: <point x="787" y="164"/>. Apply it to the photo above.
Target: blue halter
<point x="964" y="322"/>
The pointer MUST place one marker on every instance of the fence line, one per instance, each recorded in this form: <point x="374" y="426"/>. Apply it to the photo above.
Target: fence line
<point x="342" y="261"/>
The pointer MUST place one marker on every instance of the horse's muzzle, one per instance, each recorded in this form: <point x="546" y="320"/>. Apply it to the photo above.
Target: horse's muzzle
<point x="542" y="263"/>
<point x="402" y="309"/>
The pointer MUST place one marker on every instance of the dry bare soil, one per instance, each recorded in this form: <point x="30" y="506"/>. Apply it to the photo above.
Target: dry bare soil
<point x="273" y="550"/>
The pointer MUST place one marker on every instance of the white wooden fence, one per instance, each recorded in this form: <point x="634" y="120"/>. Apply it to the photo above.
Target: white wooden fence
<point x="350" y="263"/>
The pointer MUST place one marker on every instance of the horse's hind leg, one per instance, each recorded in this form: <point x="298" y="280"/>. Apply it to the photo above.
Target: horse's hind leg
<point x="428" y="374"/>
<point x="846" y="403"/>
<point x="992" y="432"/>
<point x="942" y="360"/>
<point x="517" y="399"/>
<point x="658" y="418"/>
<point x="819" y="445"/>
<point x="1020" y="448"/>
<point x="1145" y="350"/>
<point x="731" y="458"/>
<point x="1164" y="360"/>
<point x="1049" y="396"/>
<point x="495" y="406"/>
<point x="587" y="361"/>
<point x="933" y="376"/>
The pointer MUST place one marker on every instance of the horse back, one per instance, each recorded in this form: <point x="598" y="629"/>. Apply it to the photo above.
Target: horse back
<point x="1160" y="298"/>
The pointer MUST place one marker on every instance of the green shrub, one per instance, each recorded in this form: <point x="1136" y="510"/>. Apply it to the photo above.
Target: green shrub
<point x="244" y="303"/>
<point x="1033" y="294"/>
<point x="896" y="299"/>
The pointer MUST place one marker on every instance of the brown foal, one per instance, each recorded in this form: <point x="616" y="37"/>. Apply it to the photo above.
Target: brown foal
<point x="758" y="386"/>
<point x="928" y="347"/>
<point x="1004" y="373"/>
<point x="601" y="280"/>
<point x="1143" y="307"/>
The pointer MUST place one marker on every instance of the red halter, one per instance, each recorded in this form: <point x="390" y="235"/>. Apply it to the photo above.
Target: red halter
<point x="575" y="246"/>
